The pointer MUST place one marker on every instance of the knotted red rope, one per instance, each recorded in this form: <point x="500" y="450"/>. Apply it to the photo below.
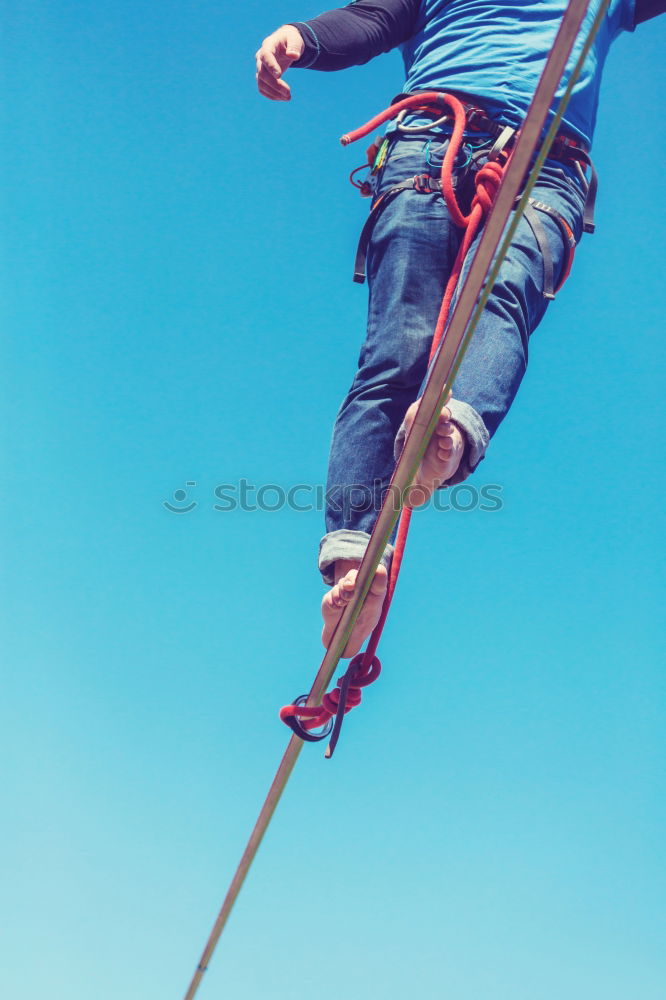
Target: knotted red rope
<point x="302" y="718"/>
<point x="365" y="667"/>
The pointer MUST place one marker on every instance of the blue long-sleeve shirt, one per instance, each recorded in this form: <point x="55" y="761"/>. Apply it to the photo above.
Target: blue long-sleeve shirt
<point x="492" y="51"/>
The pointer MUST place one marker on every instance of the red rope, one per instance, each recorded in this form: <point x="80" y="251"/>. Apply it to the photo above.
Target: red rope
<point x="365" y="667"/>
<point x="361" y="672"/>
<point x="365" y="187"/>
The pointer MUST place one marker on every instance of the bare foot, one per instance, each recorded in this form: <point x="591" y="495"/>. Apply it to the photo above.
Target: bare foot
<point x="337" y="599"/>
<point x="442" y="458"/>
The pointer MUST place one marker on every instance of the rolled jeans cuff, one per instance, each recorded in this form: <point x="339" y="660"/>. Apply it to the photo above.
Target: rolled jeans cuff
<point x="475" y="437"/>
<point x="345" y="544"/>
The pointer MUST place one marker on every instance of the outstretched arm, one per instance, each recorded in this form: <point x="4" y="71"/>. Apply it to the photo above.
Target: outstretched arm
<point x="276" y="55"/>
<point x="334" y="40"/>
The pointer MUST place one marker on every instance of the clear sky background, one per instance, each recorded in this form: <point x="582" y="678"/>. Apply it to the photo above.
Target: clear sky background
<point x="178" y="308"/>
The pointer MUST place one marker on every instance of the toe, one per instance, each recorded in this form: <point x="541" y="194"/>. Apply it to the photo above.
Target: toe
<point x="334" y="597"/>
<point x="343" y="591"/>
<point x="378" y="585"/>
<point x="445" y="429"/>
<point x="328" y="603"/>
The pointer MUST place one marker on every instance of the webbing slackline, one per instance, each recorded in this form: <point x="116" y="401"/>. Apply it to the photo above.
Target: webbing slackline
<point x="466" y="313"/>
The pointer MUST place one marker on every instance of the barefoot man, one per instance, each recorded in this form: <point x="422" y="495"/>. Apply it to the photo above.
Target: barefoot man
<point x="490" y="56"/>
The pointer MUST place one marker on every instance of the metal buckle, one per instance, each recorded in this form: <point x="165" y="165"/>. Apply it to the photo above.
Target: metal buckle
<point x="501" y="142"/>
<point x="476" y="119"/>
<point x="417" y="129"/>
<point x="422" y="183"/>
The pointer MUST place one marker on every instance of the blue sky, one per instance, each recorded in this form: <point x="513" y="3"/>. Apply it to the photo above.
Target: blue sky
<point x="177" y="308"/>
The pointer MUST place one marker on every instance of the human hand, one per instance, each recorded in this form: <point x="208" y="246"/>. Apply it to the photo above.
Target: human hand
<point x="276" y="55"/>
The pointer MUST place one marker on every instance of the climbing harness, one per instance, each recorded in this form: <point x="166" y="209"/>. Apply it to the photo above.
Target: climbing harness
<point x="498" y="142"/>
<point x="470" y="303"/>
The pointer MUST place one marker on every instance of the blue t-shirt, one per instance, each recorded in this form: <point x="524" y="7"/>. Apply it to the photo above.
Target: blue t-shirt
<point x="496" y="52"/>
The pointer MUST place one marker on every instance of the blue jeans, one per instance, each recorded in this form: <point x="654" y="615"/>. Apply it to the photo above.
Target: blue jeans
<point x="411" y="253"/>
